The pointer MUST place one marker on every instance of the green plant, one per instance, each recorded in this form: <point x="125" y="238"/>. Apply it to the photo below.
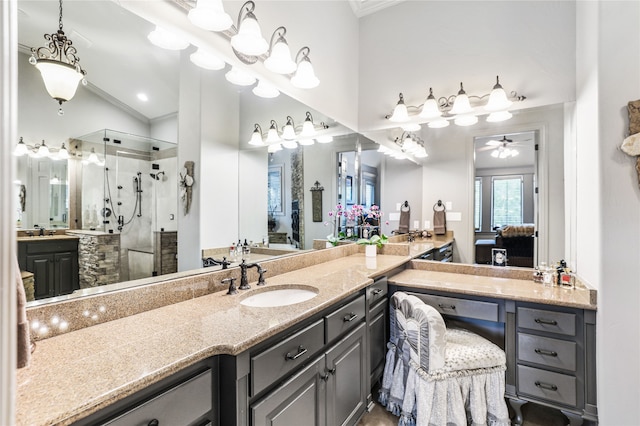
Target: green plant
<point x="377" y="240"/>
<point x="335" y="239"/>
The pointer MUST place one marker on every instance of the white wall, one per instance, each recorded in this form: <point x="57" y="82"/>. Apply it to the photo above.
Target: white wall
<point x="609" y="198"/>
<point x="420" y="44"/>
<point x="165" y="128"/>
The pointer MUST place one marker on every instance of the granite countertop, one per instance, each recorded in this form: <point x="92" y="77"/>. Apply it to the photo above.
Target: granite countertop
<point x="503" y="288"/>
<point x="45" y="237"/>
<point x="78" y="373"/>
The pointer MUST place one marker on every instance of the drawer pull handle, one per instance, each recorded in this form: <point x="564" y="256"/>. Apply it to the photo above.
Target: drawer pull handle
<point x="332" y="371"/>
<point x="545" y="321"/>
<point x="153" y="422"/>
<point x="325" y="376"/>
<point x="377" y="291"/>
<point x="349" y="317"/>
<point x="301" y="351"/>
<point x="546" y="352"/>
<point x="443" y="306"/>
<point x="546" y="386"/>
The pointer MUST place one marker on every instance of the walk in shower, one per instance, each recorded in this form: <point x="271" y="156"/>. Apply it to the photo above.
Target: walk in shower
<point x="129" y="187"/>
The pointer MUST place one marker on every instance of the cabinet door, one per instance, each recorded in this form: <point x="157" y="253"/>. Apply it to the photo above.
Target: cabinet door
<point x="346" y="384"/>
<point x="377" y="341"/>
<point x="42" y="267"/>
<point x="298" y="401"/>
<point x="66" y="275"/>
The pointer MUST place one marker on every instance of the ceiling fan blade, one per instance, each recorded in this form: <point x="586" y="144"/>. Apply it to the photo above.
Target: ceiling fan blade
<point x="485" y="148"/>
<point x="494" y="143"/>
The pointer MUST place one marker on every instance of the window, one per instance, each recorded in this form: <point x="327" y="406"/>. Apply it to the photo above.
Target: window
<point x="506" y="195"/>
<point x="275" y="190"/>
<point x="477" y="212"/>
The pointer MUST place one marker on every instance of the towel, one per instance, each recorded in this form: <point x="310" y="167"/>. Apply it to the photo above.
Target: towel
<point x="405" y="217"/>
<point x="24" y="342"/>
<point x="439" y="222"/>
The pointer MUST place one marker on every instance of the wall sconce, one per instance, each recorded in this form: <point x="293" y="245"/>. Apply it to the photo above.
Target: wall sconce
<point x="256" y="136"/>
<point x="279" y="60"/>
<point x="460" y="107"/>
<point x="305" y="77"/>
<point x="249" y="40"/>
<point x="289" y="138"/>
<point x="59" y="65"/>
<point x="273" y="135"/>
<point x="288" y="132"/>
<point x="411" y="144"/>
<point x="210" y="15"/>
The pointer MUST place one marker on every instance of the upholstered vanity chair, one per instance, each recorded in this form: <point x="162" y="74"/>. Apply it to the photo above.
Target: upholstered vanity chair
<point x="440" y="376"/>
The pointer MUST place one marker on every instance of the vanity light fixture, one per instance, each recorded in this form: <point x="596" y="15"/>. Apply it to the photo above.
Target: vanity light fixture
<point x="210" y="15"/>
<point x="256" y="136"/>
<point x="42" y="150"/>
<point x="279" y="60"/>
<point x="21" y="148"/>
<point x="274" y="148"/>
<point x="239" y="77"/>
<point x="308" y="129"/>
<point x="249" y="40"/>
<point x="272" y="134"/>
<point x="63" y="154"/>
<point x="288" y="131"/>
<point x="265" y="90"/>
<point x="206" y="60"/>
<point x="93" y="159"/>
<point x="54" y="180"/>
<point x="400" y="113"/>
<point x="407" y="144"/>
<point x="461" y="108"/>
<point x="290" y="144"/>
<point x="59" y="65"/>
<point x="165" y="39"/>
<point x="305" y="77"/>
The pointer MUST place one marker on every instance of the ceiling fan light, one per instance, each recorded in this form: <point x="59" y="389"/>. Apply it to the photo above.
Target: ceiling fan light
<point x="207" y="60"/>
<point x="465" y="120"/>
<point x="438" y="124"/>
<point x="279" y="61"/>
<point x="496" y="117"/>
<point x="461" y="104"/>
<point x="167" y="40"/>
<point x="239" y="77"/>
<point x="498" y="100"/>
<point x="249" y="38"/>
<point x="265" y="90"/>
<point x="495" y="153"/>
<point x="210" y="15"/>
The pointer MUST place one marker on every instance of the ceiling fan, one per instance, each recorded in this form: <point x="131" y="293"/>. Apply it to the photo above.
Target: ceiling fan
<point x="503" y="143"/>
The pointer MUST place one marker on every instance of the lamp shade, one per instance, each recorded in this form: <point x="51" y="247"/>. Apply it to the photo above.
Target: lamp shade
<point x="256" y="136"/>
<point x="438" y="124"/>
<point x="63" y="154"/>
<point x="498" y="116"/>
<point x="239" y="77"/>
<point x="288" y="132"/>
<point x="272" y="134"/>
<point x="166" y="39"/>
<point x="465" y="120"/>
<point x="43" y="151"/>
<point x="274" y="148"/>
<point x="207" y="60"/>
<point x="210" y="15"/>
<point x="290" y="144"/>
<point x="60" y="79"/>
<point x="249" y="39"/>
<point x="265" y="90"/>
<point x="279" y="61"/>
<point x="324" y="139"/>
<point x="305" y="77"/>
<point x="400" y="113"/>
<point x="497" y="99"/>
<point x="306" y="142"/>
<point x="20" y="149"/>
<point x="461" y="104"/>
<point x="430" y="109"/>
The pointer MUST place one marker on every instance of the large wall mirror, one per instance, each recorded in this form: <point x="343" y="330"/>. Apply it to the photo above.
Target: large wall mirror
<point x="448" y="173"/>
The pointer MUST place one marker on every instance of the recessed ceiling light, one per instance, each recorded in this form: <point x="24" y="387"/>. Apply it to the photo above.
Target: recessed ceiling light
<point x="143" y="97"/>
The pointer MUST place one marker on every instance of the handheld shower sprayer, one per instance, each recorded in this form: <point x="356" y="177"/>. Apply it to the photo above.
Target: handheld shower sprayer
<point x="158" y="176"/>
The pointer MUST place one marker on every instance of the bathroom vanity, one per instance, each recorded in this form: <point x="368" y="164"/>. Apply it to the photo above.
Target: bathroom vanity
<point x="316" y="359"/>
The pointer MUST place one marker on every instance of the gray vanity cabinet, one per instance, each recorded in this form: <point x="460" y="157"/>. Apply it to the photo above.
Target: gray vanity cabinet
<point x="54" y="264"/>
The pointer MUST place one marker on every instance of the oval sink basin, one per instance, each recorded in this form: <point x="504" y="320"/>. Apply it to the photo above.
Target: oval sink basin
<point x="279" y="297"/>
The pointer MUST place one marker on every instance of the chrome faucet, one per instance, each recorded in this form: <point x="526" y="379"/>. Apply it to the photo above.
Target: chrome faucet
<point x="244" y="282"/>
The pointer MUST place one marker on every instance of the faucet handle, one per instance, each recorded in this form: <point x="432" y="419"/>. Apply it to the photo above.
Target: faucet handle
<point x="232" y="285"/>
<point x="261" y="273"/>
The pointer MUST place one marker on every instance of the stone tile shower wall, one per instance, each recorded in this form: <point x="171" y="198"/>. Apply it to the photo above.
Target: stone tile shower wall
<point x="98" y="258"/>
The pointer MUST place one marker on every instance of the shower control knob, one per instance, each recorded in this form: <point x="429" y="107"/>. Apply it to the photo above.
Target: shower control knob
<point x="119" y="203"/>
<point x="119" y="186"/>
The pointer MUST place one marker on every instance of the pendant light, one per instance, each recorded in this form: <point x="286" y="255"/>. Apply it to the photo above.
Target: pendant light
<point x="305" y="77"/>
<point x="400" y="113"/>
<point x="498" y="98"/>
<point x="249" y="38"/>
<point x="58" y="64"/>
<point x="210" y="15"/>
<point x="279" y="60"/>
<point x="461" y="104"/>
<point x="430" y="109"/>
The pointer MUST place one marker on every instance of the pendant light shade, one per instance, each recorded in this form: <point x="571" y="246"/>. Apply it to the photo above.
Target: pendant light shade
<point x="249" y="38"/>
<point x="210" y="15"/>
<point x="256" y="136"/>
<point x="308" y="129"/>
<point x="272" y="134"/>
<point x="207" y="60"/>
<point x="430" y="109"/>
<point x="167" y="40"/>
<point x="43" y="150"/>
<point x="305" y="77"/>
<point x="239" y="77"/>
<point x="265" y="90"/>
<point x="461" y="104"/>
<point x="63" y="154"/>
<point x="58" y="64"/>
<point x="400" y="113"/>
<point x="498" y="98"/>
<point x="279" y="60"/>
<point x="21" y="148"/>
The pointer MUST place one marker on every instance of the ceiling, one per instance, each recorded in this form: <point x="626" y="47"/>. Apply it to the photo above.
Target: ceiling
<point x="524" y="142"/>
<point x="366" y="7"/>
<point x="113" y="49"/>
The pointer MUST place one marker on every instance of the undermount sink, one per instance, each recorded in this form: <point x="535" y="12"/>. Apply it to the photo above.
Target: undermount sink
<point x="279" y="297"/>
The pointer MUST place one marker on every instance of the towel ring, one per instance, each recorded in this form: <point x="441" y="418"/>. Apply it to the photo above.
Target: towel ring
<point x="439" y="204"/>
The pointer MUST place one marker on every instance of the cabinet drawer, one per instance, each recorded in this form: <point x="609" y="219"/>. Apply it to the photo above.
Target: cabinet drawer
<point x="50" y="246"/>
<point x="462" y="307"/>
<point x="376" y="291"/>
<point x="278" y="360"/>
<point x="344" y="318"/>
<point x="181" y="405"/>
<point x="547" y="351"/>
<point x="554" y="387"/>
<point x="551" y="321"/>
